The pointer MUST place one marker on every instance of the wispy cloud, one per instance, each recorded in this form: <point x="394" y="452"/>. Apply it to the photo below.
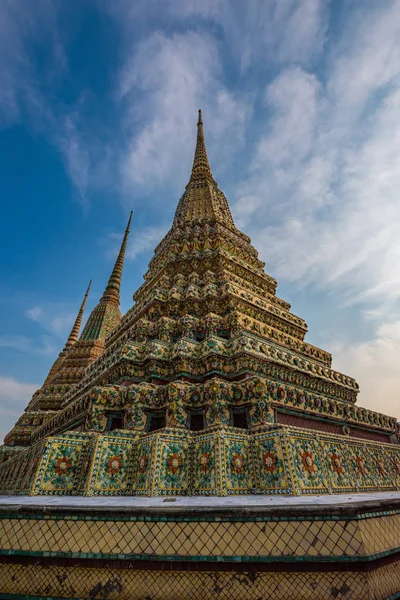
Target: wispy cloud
<point x="376" y="364"/>
<point x="17" y="342"/>
<point x="24" y="27"/>
<point x="145" y="240"/>
<point x="41" y="345"/>
<point x="173" y="77"/>
<point x="326" y="182"/>
<point x="275" y="30"/>
<point x="140" y="241"/>
<point x="14" y="396"/>
<point x="29" y="89"/>
<point x="53" y="317"/>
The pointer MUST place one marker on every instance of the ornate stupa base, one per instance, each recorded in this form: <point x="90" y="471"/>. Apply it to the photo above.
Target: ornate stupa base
<point x="252" y="547"/>
<point x="219" y="461"/>
<point x="205" y="394"/>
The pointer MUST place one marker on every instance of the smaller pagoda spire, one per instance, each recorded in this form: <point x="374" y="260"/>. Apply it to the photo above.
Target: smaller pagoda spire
<point x="74" y="335"/>
<point x="201" y="170"/>
<point x="71" y="341"/>
<point x="111" y="293"/>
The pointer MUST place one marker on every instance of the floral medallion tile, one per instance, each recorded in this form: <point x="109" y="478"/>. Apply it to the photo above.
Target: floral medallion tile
<point x="270" y="465"/>
<point x="308" y="464"/>
<point x="340" y="471"/>
<point x="237" y="463"/>
<point x="383" y="468"/>
<point x="144" y="466"/>
<point x="172" y="470"/>
<point x="60" y="466"/>
<point x="205" y="465"/>
<point x="112" y="466"/>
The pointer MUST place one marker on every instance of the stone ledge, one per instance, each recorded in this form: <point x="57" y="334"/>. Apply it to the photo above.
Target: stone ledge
<point x="212" y="506"/>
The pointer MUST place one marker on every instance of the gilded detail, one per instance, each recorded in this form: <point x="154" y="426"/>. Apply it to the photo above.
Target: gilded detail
<point x="206" y="386"/>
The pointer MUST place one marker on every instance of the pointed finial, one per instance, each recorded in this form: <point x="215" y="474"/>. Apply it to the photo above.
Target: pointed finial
<point x="201" y="170"/>
<point x="114" y="283"/>
<point x="73" y="336"/>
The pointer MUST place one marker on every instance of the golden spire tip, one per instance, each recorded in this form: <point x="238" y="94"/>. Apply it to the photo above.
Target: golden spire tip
<point x="129" y="221"/>
<point x="88" y="288"/>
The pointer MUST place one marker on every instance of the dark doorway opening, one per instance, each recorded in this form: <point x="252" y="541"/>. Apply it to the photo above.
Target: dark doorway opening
<point x="196" y="421"/>
<point x="240" y="417"/>
<point x="115" y="421"/>
<point x="156" y="421"/>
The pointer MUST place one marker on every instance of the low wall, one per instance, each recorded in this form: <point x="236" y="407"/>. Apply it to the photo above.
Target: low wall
<point x="115" y="549"/>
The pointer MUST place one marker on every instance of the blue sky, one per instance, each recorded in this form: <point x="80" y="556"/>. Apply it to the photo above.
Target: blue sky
<point x="301" y="105"/>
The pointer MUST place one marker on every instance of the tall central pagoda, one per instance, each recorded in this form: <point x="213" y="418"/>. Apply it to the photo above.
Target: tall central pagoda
<point x="204" y="389"/>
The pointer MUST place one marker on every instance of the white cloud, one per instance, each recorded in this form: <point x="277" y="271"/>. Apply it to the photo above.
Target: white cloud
<point x="375" y="363"/>
<point x="28" y="91"/>
<point x="42" y="345"/>
<point x="11" y="389"/>
<point x="328" y="193"/>
<point x="293" y="98"/>
<point x="76" y="154"/>
<point x="367" y="58"/>
<point x="52" y="316"/>
<point x="286" y="173"/>
<point x="173" y="77"/>
<point x="36" y="313"/>
<point x="145" y="240"/>
<point x="262" y="30"/>
<point x="18" y="342"/>
<point x="140" y="241"/>
<point x="23" y="27"/>
<point x="14" y="397"/>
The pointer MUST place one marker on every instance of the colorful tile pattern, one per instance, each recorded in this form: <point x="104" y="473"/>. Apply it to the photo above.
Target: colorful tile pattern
<point x="220" y="461"/>
<point x="62" y="469"/>
<point x="207" y="334"/>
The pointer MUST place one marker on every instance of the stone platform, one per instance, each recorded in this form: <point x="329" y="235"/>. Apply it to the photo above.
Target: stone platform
<point x="282" y="548"/>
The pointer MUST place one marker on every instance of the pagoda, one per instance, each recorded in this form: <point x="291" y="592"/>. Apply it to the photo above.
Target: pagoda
<point x="207" y="388"/>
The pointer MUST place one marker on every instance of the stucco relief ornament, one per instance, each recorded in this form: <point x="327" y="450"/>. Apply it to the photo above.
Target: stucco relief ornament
<point x="269" y="460"/>
<point x="238" y="463"/>
<point x="142" y="463"/>
<point x="204" y="462"/>
<point x="308" y="462"/>
<point x="381" y="467"/>
<point x="396" y="465"/>
<point x="361" y="465"/>
<point x="62" y="465"/>
<point x="114" y="465"/>
<point x="337" y="463"/>
<point x="174" y="463"/>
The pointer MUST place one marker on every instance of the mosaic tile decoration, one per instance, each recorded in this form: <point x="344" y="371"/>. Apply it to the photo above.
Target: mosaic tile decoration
<point x="220" y="461"/>
<point x="63" y="466"/>
<point x="207" y="335"/>
<point x="111" y="465"/>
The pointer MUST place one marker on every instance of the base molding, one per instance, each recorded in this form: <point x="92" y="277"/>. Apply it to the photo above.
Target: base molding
<point x="311" y="548"/>
<point x="198" y="582"/>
